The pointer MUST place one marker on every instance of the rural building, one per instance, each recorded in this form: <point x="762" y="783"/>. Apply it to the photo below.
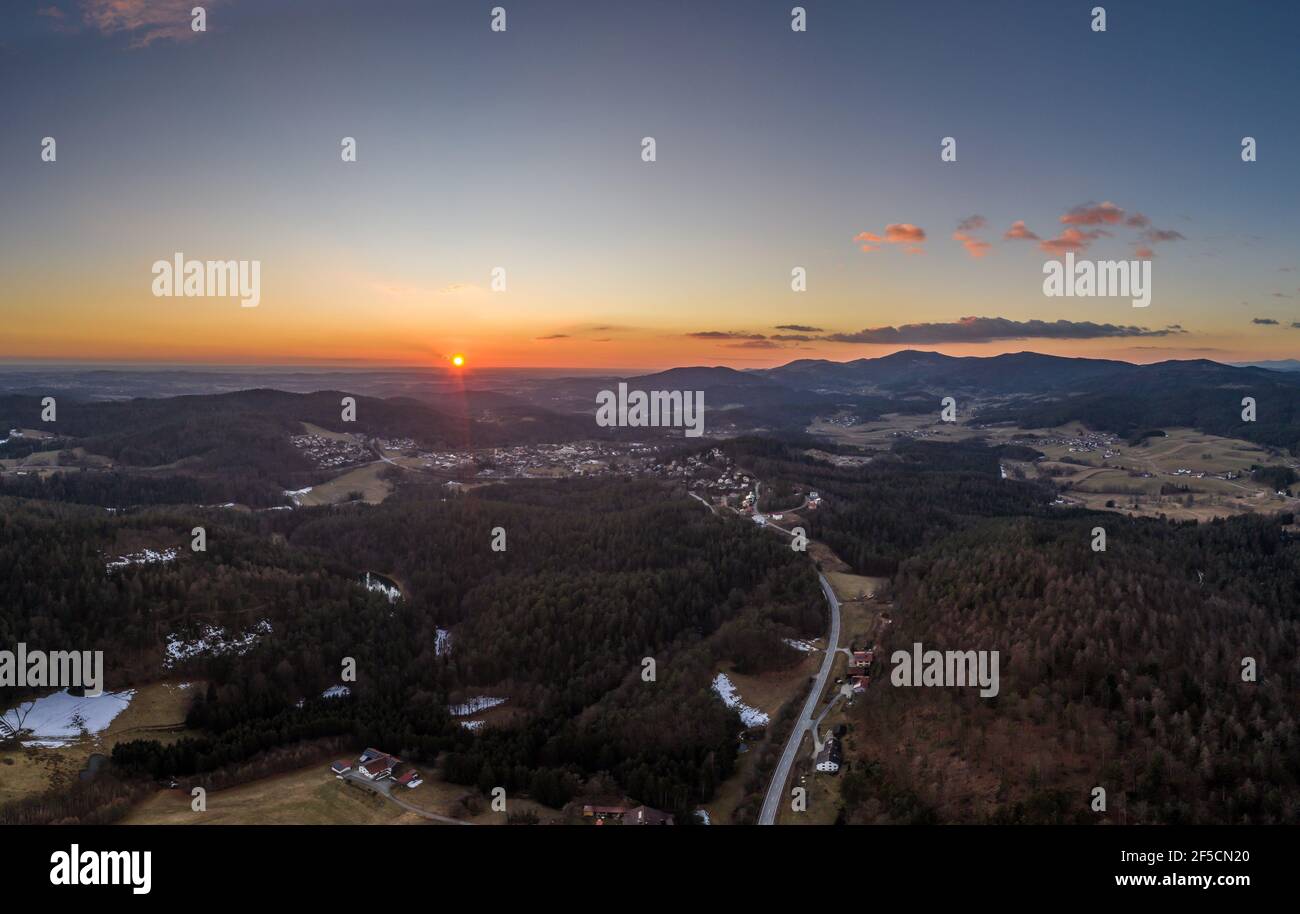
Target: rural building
<point x="828" y="760"/>
<point x="644" y="815"/>
<point x="601" y="813"/>
<point x="860" y="683"/>
<point x="375" y="765"/>
<point x="341" y="767"/>
<point x="410" y="778"/>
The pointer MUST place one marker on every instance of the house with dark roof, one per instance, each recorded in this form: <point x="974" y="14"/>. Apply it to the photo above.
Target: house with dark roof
<point x="828" y="759"/>
<point x="644" y="815"/>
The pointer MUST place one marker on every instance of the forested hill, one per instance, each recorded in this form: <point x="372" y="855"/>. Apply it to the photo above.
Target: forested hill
<point x="597" y="576"/>
<point x="1119" y="668"/>
<point x="227" y="431"/>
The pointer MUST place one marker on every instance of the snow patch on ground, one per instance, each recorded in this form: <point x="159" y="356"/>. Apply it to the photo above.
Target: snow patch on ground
<point x="703" y="816"/>
<point x="750" y="717"/>
<point x="805" y="646"/>
<point x="144" y="557"/>
<point x="60" y="719"/>
<point x="295" y="495"/>
<point x="442" y="643"/>
<point x="474" y="705"/>
<point x="336" y="691"/>
<point x="213" y="641"/>
<point x="392" y="593"/>
<point x="472" y="724"/>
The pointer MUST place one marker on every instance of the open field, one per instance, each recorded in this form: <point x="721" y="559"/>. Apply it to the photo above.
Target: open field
<point x="308" y="796"/>
<point x="883" y="432"/>
<point x="310" y="429"/>
<point x="157" y="711"/>
<point x="851" y="586"/>
<point x="314" y="796"/>
<point x="1103" y="472"/>
<point x="339" y="489"/>
<point x="769" y="691"/>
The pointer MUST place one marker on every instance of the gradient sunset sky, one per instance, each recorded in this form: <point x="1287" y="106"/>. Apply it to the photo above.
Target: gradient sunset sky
<point x="522" y="150"/>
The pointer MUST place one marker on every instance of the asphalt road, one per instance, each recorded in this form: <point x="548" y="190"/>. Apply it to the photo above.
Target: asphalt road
<point x="776" y="790"/>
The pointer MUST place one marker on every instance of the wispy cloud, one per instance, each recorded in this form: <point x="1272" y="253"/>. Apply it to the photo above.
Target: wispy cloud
<point x="895" y="233"/>
<point x="988" y="329"/>
<point x="725" y="335"/>
<point x="147" y="20"/>
<point x="1018" y="232"/>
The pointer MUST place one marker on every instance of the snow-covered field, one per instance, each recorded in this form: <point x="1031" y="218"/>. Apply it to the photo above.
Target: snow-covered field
<point x="474" y="705"/>
<point x="726" y="689"/>
<point x="214" y="640"/>
<point x="60" y="719"/>
<point x="144" y="557"/>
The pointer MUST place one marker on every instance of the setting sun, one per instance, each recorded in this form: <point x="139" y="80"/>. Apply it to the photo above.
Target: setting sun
<point x="458" y="360"/>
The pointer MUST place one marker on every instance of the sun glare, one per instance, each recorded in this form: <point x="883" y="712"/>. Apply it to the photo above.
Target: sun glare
<point x="458" y="360"/>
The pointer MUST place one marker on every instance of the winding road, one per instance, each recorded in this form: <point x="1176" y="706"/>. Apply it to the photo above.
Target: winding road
<point x="776" y="790"/>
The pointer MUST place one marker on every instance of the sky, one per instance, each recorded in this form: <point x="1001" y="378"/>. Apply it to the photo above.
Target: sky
<point x="522" y="150"/>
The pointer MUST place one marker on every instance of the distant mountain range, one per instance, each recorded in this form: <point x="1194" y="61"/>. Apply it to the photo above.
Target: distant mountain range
<point x="1274" y="365"/>
<point x="1027" y="388"/>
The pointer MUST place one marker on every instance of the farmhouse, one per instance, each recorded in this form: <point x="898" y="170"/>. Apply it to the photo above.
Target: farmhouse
<point x="601" y="813"/>
<point x="644" y="815"/>
<point x="828" y="759"/>
<point x="341" y="767"/>
<point x="375" y="765"/>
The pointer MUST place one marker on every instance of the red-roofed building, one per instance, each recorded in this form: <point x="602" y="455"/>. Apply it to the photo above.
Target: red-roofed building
<point x="379" y="768"/>
<point x="410" y="779"/>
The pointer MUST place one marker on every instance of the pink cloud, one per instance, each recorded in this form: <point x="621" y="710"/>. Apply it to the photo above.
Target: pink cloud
<point x="148" y="20"/>
<point x="1072" y="239"/>
<point x="904" y="233"/>
<point x="1094" y="214"/>
<point x="895" y="233"/>
<point x="1018" y="232"/>
<point x="973" y="245"/>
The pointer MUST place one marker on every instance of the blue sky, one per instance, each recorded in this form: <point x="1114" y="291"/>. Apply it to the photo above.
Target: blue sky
<point x="521" y="149"/>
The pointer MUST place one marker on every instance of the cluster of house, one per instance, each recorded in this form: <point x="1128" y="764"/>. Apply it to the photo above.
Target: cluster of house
<point x="374" y="765"/>
<point x="330" y="452"/>
<point x="859" y="664"/>
<point x="637" y="815"/>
